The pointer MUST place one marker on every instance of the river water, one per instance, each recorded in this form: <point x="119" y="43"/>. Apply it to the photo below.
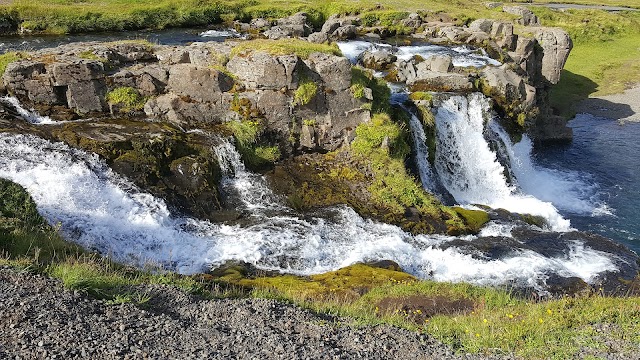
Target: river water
<point x="607" y="154"/>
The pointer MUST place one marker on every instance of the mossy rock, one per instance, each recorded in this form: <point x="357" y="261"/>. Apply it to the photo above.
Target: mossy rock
<point x="351" y="281"/>
<point x="475" y="219"/>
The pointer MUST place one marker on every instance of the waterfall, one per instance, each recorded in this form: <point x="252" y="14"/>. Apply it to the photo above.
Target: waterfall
<point x="422" y="152"/>
<point x="29" y="115"/>
<point x="470" y="170"/>
<point x="569" y="191"/>
<point x="102" y="211"/>
<point x="249" y="189"/>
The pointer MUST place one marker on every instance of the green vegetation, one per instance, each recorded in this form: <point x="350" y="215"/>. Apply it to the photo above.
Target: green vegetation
<point x="269" y="154"/>
<point x="361" y="79"/>
<point x="127" y="98"/>
<point x="475" y="219"/>
<point x="421" y="96"/>
<point x="246" y="132"/>
<point x="8" y="58"/>
<point x="305" y="92"/>
<point x="284" y="47"/>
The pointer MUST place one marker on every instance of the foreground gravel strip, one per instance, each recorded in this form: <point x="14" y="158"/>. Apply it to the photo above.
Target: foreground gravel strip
<point x="40" y="319"/>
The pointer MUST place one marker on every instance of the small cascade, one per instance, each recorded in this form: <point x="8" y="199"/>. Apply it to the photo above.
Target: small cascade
<point x="399" y="97"/>
<point x="246" y="188"/>
<point x="470" y="170"/>
<point x="29" y="115"/>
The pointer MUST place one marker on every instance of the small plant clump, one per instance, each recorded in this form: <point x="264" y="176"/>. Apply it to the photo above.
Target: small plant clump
<point x="127" y="97"/>
<point x="306" y="91"/>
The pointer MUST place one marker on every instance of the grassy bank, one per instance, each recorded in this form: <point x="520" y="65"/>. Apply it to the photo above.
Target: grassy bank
<point x="469" y="318"/>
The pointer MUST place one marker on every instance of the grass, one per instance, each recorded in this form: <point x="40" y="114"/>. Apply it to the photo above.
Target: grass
<point x="128" y="98"/>
<point x="8" y="58"/>
<point x="284" y="47"/>
<point x="305" y="92"/>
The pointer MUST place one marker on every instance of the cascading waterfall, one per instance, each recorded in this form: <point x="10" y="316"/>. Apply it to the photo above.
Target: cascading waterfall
<point x="569" y="191"/>
<point x="422" y="152"/>
<point x="102" y="211"/>
<point x="468" y="168"/>
<point x="29" y="115"/>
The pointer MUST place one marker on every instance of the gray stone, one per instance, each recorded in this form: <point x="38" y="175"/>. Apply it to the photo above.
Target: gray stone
<point x="346" y="32"/>
<point x="335" y="71"/>
<point x="556" y="45"/>
<point x="198" y="83"/>
<point x="433" y="81"/>
<point x="378" y="59"/>
<point x="527" y="17"/>
<point x="259" y="70"/>
<point x="318" y="38"/>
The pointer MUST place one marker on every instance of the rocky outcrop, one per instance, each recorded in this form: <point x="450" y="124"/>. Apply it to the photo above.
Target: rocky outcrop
<point x="527" y="17"/>
<point x="556" y="46"/>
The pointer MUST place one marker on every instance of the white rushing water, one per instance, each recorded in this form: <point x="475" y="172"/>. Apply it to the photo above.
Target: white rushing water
<point x="470" y="170"/>
<point x="29" y="115"/>
<point x="569" y="191"/>
<point x="462" y="56"/>
<point x="102" y="211"/>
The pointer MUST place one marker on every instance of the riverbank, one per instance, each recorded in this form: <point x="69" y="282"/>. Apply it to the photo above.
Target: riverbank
<point x="624" y="107"/>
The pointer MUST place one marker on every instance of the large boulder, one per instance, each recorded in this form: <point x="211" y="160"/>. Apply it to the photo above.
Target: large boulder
<point x="508" y="88"/>
<point x="178" y="110"/>
<point x="527" y="17"/>
<point x="198" y="83"/>
<point x="76" y="83"/>
<point x="441" y="82"/>
<point x="556" y="45"/>
<point x="149" y="80"/>
<point x="378" y="59"/>
<point x="334" y="71"/>
<point x="261" y="71"/>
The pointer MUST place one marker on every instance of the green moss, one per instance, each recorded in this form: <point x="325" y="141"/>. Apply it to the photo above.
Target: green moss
<point x="357" y="90"/>
<point x="9" y="57"/>
<point x="298" y="47"/>
<point x="127" y="97"/>
<point x="421" y="96"/>
<point x="361" y="79"/>
<point x="269" y="154"/>
<point x="246" y="132"/>
<point x="475" y="219"/>
<point x="350" y="281"/>
<point x="305" y="92"/>
<point x="371" y="135"/>
<point x="89" y="55"/>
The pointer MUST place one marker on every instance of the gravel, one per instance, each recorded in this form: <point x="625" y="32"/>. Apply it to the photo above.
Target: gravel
<point x="624" y="107"/>
<point x="41" y="319"/>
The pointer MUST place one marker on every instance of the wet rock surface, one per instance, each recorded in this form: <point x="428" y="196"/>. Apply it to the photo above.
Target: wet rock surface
<point x="42" y="320"/>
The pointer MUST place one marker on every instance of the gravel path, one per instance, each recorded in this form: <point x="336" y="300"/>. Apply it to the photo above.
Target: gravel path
<point x="40" y="319"/>
<point x="623" y="107"/>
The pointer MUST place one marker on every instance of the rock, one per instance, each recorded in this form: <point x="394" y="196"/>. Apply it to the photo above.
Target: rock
<point x="174" y="109"/>
<point x="443" y="82"/>
<point x="525" y="55"/>
<point x="556" y="45"/>
<point x="148" y="80"/>
<point x="276" y="108"/>
<point x="412" y="21"/>
<point x="481" y="25"/>
<point x="318" y="38"/>
<point x="198" y="83"/>
<point x="346" y="32"/>
<point x="172" y="55"/>
<point x="454" y="34"/>
<point x="332" y="24"/>
<point x="259" y="70"/>
<point x="502" y="33"/>
<point x="509" y="87"/>
<point x="527" y="17"/>
<point x="378" y="59"/>
<point x="259" y="23"/>
<point x="440" y="63"/>
<point x="335" y="71"/>
<point x="278" y="32"/>
<point x="84" y="82"/>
